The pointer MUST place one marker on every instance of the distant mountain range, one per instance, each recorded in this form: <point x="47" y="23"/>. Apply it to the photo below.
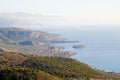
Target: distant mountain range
<point x="20" y="19"/>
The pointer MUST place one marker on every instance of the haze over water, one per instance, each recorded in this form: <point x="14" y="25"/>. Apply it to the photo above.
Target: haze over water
<point x="103" y="42"/>
<point x="103" y="45"/>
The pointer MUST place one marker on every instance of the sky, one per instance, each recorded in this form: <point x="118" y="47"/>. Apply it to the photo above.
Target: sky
<point x="70" y="12"/>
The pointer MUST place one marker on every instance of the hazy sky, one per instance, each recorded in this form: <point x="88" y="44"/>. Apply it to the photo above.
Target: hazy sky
<point x="71" y="11"/>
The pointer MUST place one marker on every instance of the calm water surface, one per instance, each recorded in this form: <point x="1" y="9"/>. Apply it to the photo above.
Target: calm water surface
<point x="103" y="45"/>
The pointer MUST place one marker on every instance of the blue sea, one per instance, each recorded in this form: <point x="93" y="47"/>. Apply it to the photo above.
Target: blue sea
<point x="103" y="45"/>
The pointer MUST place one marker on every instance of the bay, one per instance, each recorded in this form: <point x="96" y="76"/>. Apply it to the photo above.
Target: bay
<point x="103" y="44"/>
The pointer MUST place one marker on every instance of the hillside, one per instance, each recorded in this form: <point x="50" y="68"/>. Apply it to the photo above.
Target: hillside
<point x="17" y="73"/>
<point x="10" y="70"/>
<point x="66" y="68"/>
<point x="11" y="59"/>
<point x="15" y="35"/>
<point x="63" y="67"/>
<point x="30" y="42"/>
<point x="46" y="68"/>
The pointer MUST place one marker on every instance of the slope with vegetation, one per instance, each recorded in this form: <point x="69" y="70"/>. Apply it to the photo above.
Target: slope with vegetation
<point x="11" y="59"/>
<point x="46" y="68"/>
<point x="17" y="73"/>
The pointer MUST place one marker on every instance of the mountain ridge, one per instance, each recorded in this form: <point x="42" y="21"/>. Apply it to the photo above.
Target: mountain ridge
<point x="31" y="42"/>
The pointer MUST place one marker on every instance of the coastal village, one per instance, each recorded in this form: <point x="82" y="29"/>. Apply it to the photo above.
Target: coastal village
<point x="39" y="50"/>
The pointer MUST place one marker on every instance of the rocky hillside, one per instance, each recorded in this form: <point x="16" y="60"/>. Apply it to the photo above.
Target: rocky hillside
<point x="30" y="42"/>
<point x="23" y="36"/>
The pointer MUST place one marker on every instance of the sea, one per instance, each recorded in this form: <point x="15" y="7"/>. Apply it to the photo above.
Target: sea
<point x="102" y="44"/>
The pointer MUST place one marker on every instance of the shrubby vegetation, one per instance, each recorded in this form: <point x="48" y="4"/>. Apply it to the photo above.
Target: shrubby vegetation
<point x="20" y="67"/>
<point x="63" y="67"/>
<point x="17" y="73"/>
<point x="11" y="59"/>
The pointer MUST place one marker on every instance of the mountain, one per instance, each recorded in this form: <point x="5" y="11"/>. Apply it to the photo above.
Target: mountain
<point x="31" y="42"/>
<point x="16" y="35"/>
<point x="19" y="19"/>
<point x="47" y="68"/>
